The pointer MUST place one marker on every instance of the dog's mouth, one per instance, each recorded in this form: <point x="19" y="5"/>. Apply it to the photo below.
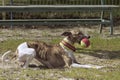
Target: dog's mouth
<point x="88" y="37"/>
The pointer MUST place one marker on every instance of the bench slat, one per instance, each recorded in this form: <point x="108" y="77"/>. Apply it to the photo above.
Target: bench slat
<point x="53" y="21"/>
<point x="41" y="8"/>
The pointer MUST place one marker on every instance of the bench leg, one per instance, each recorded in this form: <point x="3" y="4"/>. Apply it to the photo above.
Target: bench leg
<point x="101" y="25"/>
<point x="111" y="23"/>
<point x="102" y="14"/>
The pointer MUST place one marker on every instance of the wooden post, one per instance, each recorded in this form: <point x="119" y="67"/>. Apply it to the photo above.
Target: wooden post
<point x="3" y="13"/>
<point x="102" y="14"/>
<point x="111" y="21"/>
<point x="11" y="15"/>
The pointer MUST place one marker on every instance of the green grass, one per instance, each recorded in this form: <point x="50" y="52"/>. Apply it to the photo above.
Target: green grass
<point x="107" y="47"/>
<point x="53" y="74"/>
<point x="92" y="74"/>
<point x="105" y="44"/>
<point x="10" y="44"/>
<point x="97" y="45"/>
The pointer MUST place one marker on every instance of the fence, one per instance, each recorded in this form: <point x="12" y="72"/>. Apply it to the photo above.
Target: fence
<point x="56" y="2"/>
<point x="57" y="13"/>
<point x="75" y="14"/>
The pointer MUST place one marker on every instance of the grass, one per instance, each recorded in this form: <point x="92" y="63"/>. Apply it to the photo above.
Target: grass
<point x="105" y="44"/>
<point x="10" y="44"/>
<point x="92" y="74"/>
<point x="55" y="74"/>
<point x="98" y="44"/>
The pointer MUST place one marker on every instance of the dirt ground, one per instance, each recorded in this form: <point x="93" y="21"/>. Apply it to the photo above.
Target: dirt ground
<point x="47" y="33"/>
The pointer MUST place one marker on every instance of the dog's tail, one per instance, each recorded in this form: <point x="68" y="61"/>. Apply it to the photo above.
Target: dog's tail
<point x="5" y="55"/>
<point x="86" y="66"/>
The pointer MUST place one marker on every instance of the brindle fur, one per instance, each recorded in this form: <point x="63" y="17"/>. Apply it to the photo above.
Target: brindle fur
<point x="52" y="56"/>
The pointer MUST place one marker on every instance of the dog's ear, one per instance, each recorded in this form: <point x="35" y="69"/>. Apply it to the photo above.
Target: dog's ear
<point x="36" y="44"/>
<point x="66" y="34"/>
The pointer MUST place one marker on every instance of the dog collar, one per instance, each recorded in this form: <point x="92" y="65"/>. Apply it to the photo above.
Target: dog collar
<point x="68" y="45"/>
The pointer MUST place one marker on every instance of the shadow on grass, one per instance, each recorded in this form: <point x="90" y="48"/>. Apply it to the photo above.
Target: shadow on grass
<point x="103" y="54"/>
<point x="42" y="67"/>
<point x="39" y="67"/>
<point x="114" y="35"/>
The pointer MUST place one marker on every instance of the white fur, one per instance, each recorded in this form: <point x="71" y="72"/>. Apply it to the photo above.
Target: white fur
<point x="70" y="53"/>
<point x="25" y="54"/>
<point x="85" y="66"/>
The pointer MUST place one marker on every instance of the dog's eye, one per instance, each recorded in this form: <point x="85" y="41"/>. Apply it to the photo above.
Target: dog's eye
<point x="88" y="37"/>
<point x="80" y="33"/>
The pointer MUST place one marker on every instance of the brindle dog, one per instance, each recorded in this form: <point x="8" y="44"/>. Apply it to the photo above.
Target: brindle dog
<point x="52" y="56"/>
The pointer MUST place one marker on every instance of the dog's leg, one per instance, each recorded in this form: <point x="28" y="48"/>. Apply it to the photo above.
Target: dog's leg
<point x="26" y="56"/>
<point x="46" y="63"/>
<point x="72" y="57"/>
<point x="28" y="60"/>
<point x="68" y="61"/>
<point x="86" y="66"/>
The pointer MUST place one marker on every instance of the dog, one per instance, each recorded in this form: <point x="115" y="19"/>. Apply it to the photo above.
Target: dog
<point x="52" y="56"/>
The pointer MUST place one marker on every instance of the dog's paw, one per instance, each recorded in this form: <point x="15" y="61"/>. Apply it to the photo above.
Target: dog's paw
<point x="67" y="66"/>
<point x="24" y="67"/>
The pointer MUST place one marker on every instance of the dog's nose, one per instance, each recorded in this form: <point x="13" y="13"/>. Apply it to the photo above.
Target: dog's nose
<point x="88" y="37"/>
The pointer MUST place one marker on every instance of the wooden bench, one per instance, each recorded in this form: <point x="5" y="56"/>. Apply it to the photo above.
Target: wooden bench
<point x="60" y="8"/>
